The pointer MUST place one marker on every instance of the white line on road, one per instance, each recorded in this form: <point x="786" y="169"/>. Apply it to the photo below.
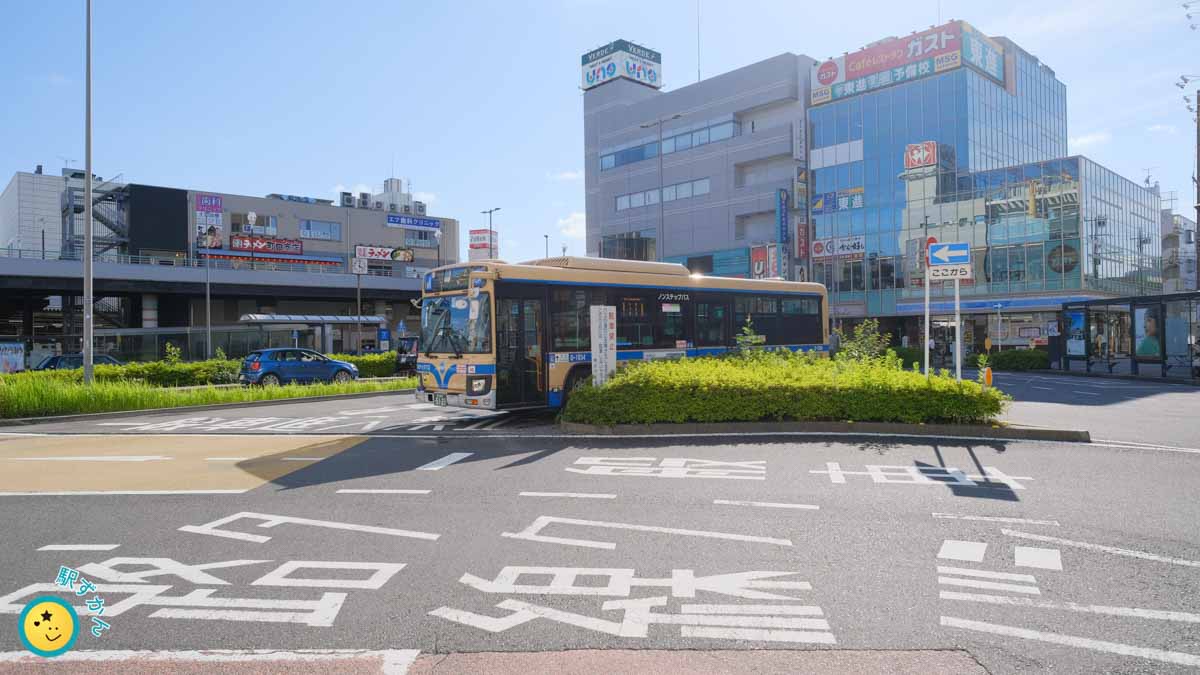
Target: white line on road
<point x="989" y="585"/>
<point x="970" y="551"/>
<point x="986" y="574"/>
<point x="995" y="519"/>
<point x="477" y="424"/>
<point x="1042" y="388"/>
<point x="765" y="635"/>
<point x="575" y="495"/>
<point x="395" y="661"/>
<point x="371" y="425"/>
<point x="445" y="461"/>
<point x="531" y="533"/>
<point x="303" y="459"/>
<point x="1135" y="612"/>
<point x="770" y="610"/>
<point x="1100" y="547"/>
<point x="499" y="423"/>
<point x="226" y="459"/>
<point x="1041" y="558"/>
<point x="103" y="493"/>
<point x="78" y="547"/>
<point x="1085" y="393"/>
<point x="1073" y="641"/>
<point x="94" y="458"/>
<point x="366" y="491"/>
<point x="774" y="505"/>
<point x="1130" y="445"/>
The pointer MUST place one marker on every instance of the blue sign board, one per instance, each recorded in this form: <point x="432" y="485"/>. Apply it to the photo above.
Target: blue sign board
<point x="384" y="335"/>
<point x="781" y="216"/>
<point x="413" y="222"/>
<point x="950" y="253"/>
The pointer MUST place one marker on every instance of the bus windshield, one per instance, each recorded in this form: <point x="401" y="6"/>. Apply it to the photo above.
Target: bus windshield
<point x="456" y="324"/>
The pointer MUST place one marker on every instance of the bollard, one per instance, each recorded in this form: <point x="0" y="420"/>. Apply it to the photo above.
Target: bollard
<point x="987" y="377"/>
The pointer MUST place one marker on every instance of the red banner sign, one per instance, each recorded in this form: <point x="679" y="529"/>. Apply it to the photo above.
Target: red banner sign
<point x="261" y="245"/>
<point x="921" y="154"/>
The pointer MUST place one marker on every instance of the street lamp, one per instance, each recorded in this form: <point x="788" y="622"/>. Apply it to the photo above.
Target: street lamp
<point x="662" y="225"/>
<point x="87" y="208"/>
<point x="547" y="244"/>
<point x="491" y="234"/>
<point x="999" y="338"/>
<point x="438" y="236"/>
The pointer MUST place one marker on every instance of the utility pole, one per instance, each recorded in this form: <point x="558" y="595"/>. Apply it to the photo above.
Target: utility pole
<point x="208" y="351"/>
<point x="662" y="225"/>
<point x="87" y="209"/>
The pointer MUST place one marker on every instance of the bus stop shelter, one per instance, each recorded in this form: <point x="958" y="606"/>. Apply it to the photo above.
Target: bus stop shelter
<point x="324" y="322"/>
<point x="1146" y="336"/>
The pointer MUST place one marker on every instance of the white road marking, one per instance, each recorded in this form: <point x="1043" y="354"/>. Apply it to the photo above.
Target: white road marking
<point x="801" y="610"/>
<point x="531" y="533"/>
<point x="226" y="459"/>
<point x="996" y="519"/>
<point x="303" y="459"/>
<point x="477" y="424"/>
<point x="989" y="585"/>
<point x="575" y="495"/>
<point x="383" y="572"/>
<point x="101" y="493"/>
<point x="371" y="425"/>
<point x="1041" y="558"/>
<point x="986" y="574"/>
<point x="395" y="661"/>
<point x="1129" y="445"/>
<point x="78" y="547"/>
<point x="1086" y="393"/>
<point x="774" y="505"/>
<point x="970" y="551"/>
<point x="95" y="458"/>
<point x="1105" y="549"/>
<point x="273" y="520"/>
<point x="683" y="583"/>
<point x="1134" y="612"/>
<point x="500" y="423"/>
<point x="1042" y="388"/>
<point x="1074" y="641"/>
<point x="757" y="634"/>
<point x="445" y="461"/>
<point x="366" y="491"/>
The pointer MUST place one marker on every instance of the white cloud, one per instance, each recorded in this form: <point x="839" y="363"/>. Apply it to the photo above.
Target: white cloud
<point x="1076" y="143"/>
<point x="1162" y="128"/>
<point x="573" y="226"/>
<point x="570" y="175"/>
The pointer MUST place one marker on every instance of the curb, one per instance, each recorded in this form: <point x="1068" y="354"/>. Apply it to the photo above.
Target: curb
<point x="973" y="431"/>
<point x="22" y="421"/>
<point x="1186" y="381"/>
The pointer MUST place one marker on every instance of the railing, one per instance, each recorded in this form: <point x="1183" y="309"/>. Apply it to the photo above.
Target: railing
<point x="249" y="264"/>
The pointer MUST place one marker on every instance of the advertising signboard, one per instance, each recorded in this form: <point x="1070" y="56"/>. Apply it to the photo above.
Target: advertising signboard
<point x="832" y="202"/>
<point x="982" y="53"/>
<point x="772" y="260"/>
<point x="783" y="227"/>
<point x="1147" y="333"/>
<point x="482" y="238"/>
<point x="413" y="222"/>
<point x="12" y="357"/>
<point x="604" y="342"/>
<point x="209" y="220"/>
<point x="758" y="262"/>
<point x="1076" y="335"/>
<point x="383" y="253"/>
<point x="840" y="246"/>
<point x="892" y="61"/>
<point x="261" y="245"/>
<point x="917" y="155"/>
<point x="621" y="59"/>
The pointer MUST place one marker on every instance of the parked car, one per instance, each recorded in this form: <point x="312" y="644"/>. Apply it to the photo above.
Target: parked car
<point x="285" y="365"/>
<point x="72" y="361"/>
<point x="407" y="349"/>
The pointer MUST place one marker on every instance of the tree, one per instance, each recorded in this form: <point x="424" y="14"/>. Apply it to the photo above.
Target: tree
<point x="864" y="342"/>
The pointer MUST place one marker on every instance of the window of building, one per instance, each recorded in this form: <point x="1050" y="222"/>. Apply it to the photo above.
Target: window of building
<point x="700" y="187"/>
<point x="638" y="245"/>
<point x="683" y="191"/>
<point x="264" y="226"/>
<point x="700" y="264"/>
<point x="622" y="202"/>
<point x="419" y="239"/>
<point x="637" y="199"/>
<point x="320" y="229"/>
<point x="669" y="193"/>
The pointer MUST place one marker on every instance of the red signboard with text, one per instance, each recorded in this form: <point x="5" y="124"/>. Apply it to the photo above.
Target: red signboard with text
<point x="921" y="154"/>
<point x="262" y="245"/>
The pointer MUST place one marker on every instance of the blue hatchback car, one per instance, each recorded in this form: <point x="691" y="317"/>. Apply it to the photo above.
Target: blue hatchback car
<point x="282" y="366"/>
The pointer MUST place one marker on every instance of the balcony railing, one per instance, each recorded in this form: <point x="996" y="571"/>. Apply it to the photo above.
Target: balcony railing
<point x="247" y="265"/>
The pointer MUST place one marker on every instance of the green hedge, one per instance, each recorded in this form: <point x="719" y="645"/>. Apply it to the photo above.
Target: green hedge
<point x="780" y="386"/>
<point x="37" y="397"/>
<point x="909" y="356"/>
<point x="371" y="365"/>
<point x="1019" y="359"/>
<point x="158" y="373"/>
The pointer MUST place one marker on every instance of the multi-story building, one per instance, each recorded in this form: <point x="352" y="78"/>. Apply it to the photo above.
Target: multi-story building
<point x="1179" y="250"/>
<point x="945" y="134"/>
<point x="171" y="262"/>
<point x="727" y="147"/>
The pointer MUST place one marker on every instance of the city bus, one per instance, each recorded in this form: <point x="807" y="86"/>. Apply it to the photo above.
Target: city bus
<point x="507" y="336"/>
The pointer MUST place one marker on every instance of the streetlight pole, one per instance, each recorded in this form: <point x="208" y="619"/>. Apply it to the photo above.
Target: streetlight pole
<point x="999" y="337"/>
<point x="207" y="309"/>
<point x="662" y="224"/>
<point x="547" y="244"/>
<point x="87" y="209"/>
<point x="491" y="234"/>
<point x="438" y="237"/>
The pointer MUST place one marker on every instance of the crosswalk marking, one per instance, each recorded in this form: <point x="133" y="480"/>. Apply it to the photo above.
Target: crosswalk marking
<point x="969" y="551"/>
<point x="445" y="461"/>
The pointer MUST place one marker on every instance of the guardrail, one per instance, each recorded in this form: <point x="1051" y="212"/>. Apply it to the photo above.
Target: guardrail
<point x="248" y="265"/>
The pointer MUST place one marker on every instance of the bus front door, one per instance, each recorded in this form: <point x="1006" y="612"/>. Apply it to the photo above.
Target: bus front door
<point x="520" y="359"/>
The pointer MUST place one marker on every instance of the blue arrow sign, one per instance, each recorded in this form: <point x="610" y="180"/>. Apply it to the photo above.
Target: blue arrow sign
<point x="950" y="253"/>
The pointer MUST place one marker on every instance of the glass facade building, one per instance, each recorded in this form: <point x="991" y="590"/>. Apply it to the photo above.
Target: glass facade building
<point x="991" y="168"/>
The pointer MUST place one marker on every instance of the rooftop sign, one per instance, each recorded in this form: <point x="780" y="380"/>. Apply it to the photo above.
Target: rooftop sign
<point x="621" y="59"/>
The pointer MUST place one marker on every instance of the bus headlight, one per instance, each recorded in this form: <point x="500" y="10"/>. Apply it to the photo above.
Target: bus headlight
<point x="478" y="385"/>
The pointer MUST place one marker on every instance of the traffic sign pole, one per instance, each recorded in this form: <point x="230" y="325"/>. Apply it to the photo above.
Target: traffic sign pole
<point x="957" y="336"/>
<point x="926" y="338"/>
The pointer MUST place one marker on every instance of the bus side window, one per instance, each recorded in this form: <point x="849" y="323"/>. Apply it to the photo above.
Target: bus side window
<point x="635" y="327"/>
<point x="711" y="324"/>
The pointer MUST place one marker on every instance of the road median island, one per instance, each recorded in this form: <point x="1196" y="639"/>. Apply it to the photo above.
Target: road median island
<point x="39" y="397"/>
<point x="786" y="392"/>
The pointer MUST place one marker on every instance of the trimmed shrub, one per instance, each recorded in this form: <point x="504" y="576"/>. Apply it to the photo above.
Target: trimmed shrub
<point x="158" y="373"/>
<point x="371" y="365"/>
<point x="910" y="356"/>
<point x="1020" y="359"/>
<point x="781" y="386"/>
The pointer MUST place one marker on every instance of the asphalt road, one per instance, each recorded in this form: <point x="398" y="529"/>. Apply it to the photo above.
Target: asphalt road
<point x="378" y="534"/>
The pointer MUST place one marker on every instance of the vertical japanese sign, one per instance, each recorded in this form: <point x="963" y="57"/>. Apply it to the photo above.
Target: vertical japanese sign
<point x="758" y="262"/>
<point x="209" y="220"/>
<point x="800" y="202"/>
<point x="604" y="342"/>
<point x="772" y="260"/>
<point x="783" y="222"/>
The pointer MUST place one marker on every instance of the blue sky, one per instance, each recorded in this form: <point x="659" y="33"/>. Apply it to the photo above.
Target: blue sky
<point x="478" y="102"/>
